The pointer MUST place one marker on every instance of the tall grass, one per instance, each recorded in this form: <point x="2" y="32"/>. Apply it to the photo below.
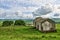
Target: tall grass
<point x="27" y="33"/>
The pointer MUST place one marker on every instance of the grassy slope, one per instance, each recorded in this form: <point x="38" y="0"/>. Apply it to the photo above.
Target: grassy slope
<point x="27" y="33"/>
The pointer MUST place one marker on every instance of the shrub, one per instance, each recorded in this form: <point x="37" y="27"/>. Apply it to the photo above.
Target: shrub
<point x="19" y="22"/>
<point x="7" y="23"/>
<point x="43" y="36"/>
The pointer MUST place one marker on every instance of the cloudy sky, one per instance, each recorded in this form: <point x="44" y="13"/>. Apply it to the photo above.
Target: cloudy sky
<point x="15" y="9"/>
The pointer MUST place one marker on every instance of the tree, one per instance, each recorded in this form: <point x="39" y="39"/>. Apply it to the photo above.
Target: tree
<point x="7" y="23"/>
<point x="19" y="22"/>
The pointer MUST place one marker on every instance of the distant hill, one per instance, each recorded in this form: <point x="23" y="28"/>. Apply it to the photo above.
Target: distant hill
<point x="28" y="21"/>
<point x="57" y="20"/>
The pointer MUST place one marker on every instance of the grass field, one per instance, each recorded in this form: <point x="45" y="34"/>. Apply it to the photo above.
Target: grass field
<point x="27" y="33"/>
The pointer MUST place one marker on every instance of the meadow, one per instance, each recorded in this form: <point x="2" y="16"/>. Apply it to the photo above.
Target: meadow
<point x="27" y="33"/>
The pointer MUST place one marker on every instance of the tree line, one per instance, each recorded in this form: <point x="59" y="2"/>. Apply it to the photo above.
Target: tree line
<point x="17" y="22"/>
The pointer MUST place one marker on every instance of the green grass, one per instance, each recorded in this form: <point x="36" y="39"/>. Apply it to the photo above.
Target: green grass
<point x="27" y="33"/>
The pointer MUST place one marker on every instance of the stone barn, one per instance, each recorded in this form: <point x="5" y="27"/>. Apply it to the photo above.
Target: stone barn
<point x="44" y="24"/>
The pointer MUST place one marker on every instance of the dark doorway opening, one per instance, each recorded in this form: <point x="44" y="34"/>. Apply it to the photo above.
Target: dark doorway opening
<point x="37" y="26"/>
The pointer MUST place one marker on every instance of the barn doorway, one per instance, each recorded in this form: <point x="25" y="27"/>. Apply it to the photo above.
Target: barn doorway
<point x="41" y="28"/>
<point x="37" y="26"/>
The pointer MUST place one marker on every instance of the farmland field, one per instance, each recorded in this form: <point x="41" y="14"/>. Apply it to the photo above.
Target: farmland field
<point x="27" y="33"/>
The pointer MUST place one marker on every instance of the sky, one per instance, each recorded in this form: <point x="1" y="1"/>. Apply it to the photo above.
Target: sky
<point x="23" y="9"/>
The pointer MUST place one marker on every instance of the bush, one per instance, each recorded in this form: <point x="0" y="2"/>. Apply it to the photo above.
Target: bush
<point x="19" y="22"/>
<point x="7" y="23"/>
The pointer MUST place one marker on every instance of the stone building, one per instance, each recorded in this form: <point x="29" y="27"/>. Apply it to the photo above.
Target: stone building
<point x="44" y="24"/>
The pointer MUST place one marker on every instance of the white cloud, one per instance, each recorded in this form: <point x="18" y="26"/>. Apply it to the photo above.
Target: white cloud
<point x="12" y="6"/>
<point x="43" y="10"/>
<point x="55" y="10"/>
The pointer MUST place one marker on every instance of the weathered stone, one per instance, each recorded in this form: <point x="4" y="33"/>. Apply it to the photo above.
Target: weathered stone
<point x="44" y="24"/>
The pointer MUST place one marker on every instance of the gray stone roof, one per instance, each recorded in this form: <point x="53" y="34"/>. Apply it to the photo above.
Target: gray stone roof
<point x="40" y="19"/>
